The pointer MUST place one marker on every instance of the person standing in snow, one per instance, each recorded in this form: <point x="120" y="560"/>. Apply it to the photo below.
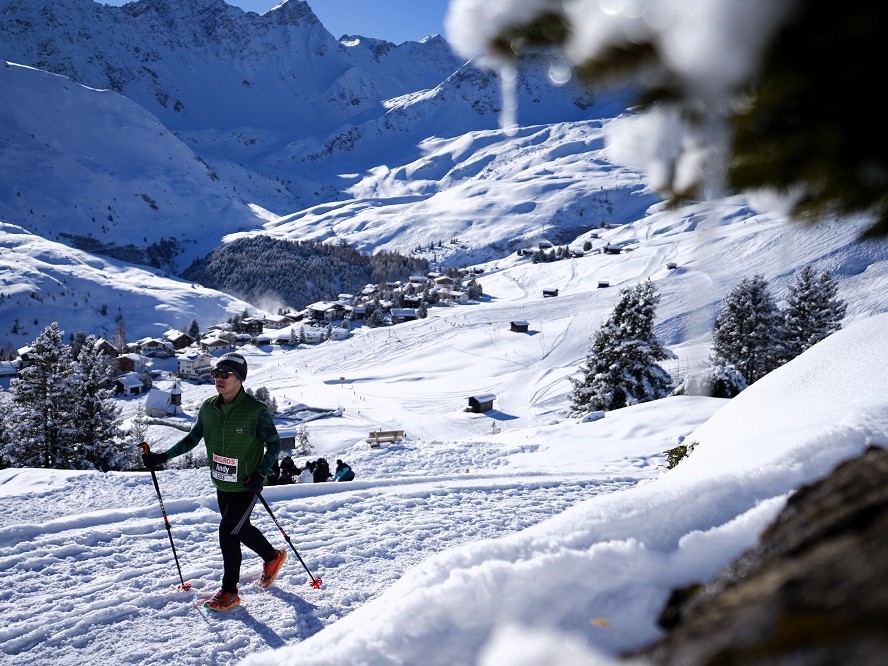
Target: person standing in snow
<point x="242" y="446"/>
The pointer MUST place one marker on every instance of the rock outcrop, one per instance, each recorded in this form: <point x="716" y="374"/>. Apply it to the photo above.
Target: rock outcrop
<point x="814" y="590"/>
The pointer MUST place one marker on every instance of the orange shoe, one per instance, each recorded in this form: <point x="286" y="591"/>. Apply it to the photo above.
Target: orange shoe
<point x="223" y="601"/>
<point x="270" y="569"/>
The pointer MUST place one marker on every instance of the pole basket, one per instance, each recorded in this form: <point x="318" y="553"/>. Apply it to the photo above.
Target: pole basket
<point x="316" y="583"/>
<point x="184" y="587"/>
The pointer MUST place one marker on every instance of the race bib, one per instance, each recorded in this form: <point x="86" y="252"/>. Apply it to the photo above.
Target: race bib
<point x="224" y="469"/>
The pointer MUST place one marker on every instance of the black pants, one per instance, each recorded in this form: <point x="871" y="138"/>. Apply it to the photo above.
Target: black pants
<point x="235" y="529"/>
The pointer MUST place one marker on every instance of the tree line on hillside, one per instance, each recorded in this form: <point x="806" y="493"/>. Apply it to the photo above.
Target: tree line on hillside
<point x="751" y="337"/>
<point x="296" y="273"/>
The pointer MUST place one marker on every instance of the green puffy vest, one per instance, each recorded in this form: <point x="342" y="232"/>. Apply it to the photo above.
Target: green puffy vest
<point x="234" y="447"/>
<point x="240" y="439"/>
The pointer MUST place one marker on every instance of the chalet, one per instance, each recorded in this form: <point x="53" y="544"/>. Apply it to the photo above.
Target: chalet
<point x="129" y="363"/>
<point x="339" y="333"/>
<point x="518" y="326"/>
<point x="444" y="281"/>
<point x="548" y="293"/>
<point x="178" y="339"/>
<point x="671" y="265"/>
<point x="285" y="338"/>
<point x="261" y="340"/>
<point x="154" y="346"/>
<point x="411" y="301"/>
<point x="400" y="315"/>
<point x="252" y="325"/>
<point x="214" y="345"/>
<point x="313" y="335"/>
<point x="325" y="310"/>
<point x="481" y="403"/>
<point x="194" y="364"/>
<point x="128" y="384"/>
<point x="452" y="296"/>
<point x="106" y="348"/>
<point x="602" y="284"/>
<point x="610" y="249"/>
<point x="164" y="403"/>
<point x="359" y="312"/>
<point x="288" y="438"/>
<point x="277" y="322"/>
<point x="24" y="354"/>
<point x="421" y="280"/>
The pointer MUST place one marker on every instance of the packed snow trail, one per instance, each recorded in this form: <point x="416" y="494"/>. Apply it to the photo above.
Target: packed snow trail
<point x="111" y="526"/>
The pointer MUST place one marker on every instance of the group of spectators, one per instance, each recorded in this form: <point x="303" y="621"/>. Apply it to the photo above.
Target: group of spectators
<point x="315" y="471"/>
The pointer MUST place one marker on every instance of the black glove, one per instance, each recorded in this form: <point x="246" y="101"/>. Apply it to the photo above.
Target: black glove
<point x="254" y="483"/>
<point x="153" y="460"/>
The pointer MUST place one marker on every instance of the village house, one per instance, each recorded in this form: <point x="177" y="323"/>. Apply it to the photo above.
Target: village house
<point x="216" y="345"/>
<point x="277" y="322"/>
<point x="154" y="347"/>
<point x="451" y="296"/>
<point x="339" y="333"/>
<point x="24" y="354"/>
<point x="178" y="339"/>
<point x="128" y="384"/>
<point x="313" y="335"/>
<point x="106" y="348"/>
<point x="518" y="326"/>
<point x="411" y="301"/>
<point x="194" y="364"/>
<point x="129" y="362"/>
<point x="160" y="403"/>
<point x="252" y="325"/>
<point x="400" y="315"/>
<point x="325" y="310"/>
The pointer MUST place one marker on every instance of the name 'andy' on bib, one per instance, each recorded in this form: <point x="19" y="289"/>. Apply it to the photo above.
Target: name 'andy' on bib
<point x="224" y="469"/>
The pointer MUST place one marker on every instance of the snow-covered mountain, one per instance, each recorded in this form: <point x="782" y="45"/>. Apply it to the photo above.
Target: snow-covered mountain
<point x="283" y="130"/>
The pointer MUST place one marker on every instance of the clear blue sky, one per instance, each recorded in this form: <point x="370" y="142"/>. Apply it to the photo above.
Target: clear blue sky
<point x="394" y="20"/>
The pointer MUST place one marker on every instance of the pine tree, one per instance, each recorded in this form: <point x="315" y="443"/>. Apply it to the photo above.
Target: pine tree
<point x="621" y="366"/>
<point x="748" y="332"/>
<point x="40" y="421"/>
<point x="96" y="439"/>
<point x="194" y="330"/>
<point x="812" y="311"/>
<point x="262" y="393"/>
<point x="303" y="445"/>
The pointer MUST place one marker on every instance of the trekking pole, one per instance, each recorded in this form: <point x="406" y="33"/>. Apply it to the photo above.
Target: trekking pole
<point x="184" y="586"/>
<point x="315" y="582"/>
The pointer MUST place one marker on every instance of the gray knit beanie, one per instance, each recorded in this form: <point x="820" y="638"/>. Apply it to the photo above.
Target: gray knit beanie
<point x="233" y="362"/>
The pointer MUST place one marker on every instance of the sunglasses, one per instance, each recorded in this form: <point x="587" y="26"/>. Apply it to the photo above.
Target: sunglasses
<point x="220" y="374"/>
